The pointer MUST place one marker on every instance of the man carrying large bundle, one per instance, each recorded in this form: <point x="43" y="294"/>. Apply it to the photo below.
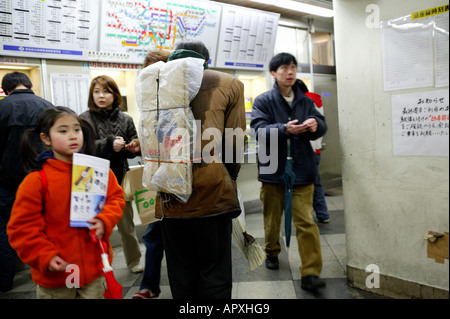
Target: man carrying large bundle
<point x="197" y="232"/>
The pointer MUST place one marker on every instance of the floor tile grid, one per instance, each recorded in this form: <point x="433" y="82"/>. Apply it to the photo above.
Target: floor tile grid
<point x="267" y="284"/>
<point x="261" y="283"/>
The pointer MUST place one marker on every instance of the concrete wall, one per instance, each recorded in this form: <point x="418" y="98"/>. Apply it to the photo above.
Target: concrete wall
<point x="391" y="202"/>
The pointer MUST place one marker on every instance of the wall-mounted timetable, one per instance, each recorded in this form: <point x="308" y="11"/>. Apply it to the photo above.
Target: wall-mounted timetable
<point x="247" y="38"/>
<point x="48" y="29"/>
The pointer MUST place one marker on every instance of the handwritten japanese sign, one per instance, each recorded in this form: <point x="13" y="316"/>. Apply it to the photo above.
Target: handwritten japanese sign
<point x="420" y="123"/>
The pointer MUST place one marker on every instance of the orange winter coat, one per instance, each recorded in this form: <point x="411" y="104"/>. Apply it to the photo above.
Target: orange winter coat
<point x="39" y="229"/>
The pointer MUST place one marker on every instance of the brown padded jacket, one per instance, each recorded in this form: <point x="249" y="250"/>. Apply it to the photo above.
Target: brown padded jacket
<point x="219" y="104"/>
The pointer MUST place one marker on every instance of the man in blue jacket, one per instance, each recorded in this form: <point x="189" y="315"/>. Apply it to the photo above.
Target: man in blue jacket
<point x="282" y="116"/>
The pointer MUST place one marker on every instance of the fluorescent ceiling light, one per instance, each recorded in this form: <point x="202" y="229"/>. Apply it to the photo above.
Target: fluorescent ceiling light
<point x="299" y="6"/>
<point x="14" y="67"/>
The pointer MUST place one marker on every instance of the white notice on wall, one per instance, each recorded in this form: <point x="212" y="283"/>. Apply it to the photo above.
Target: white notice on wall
<point x="407" y="53"/>
<point x="420" y="123"/>
<point x="71" y="90"/>
<point x="246" y="39"/>
<point x="441" y="47"/>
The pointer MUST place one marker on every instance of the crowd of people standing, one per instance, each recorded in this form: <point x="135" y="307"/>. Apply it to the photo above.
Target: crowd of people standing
<point x="195" y="236"/>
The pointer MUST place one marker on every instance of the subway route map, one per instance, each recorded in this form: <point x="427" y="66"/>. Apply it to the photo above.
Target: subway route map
<point x="132" y="28"/>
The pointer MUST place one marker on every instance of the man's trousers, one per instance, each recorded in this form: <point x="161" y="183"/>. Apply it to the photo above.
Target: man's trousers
<point x="307" y="232"/>
<point x="198" y="255"/>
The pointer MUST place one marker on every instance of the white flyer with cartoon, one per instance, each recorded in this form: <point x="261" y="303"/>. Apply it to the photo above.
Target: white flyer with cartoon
<point x="90" y="176"/>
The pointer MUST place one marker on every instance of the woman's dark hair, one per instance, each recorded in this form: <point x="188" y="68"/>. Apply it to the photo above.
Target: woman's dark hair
<point x="109" y="84"/>
<point x="281" y="59"/>
<point x="31" y="144"/>
<point x="11" y="80"/>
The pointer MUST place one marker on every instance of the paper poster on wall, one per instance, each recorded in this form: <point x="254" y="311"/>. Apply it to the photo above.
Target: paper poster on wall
<point x="441" y="49"/>
<point x="420" y="123"/>
<point x="247" y="38"/>
<point x="48" y="29"/>
<point x="407" y="53"/>
<point x="71" y="90"/>
<point x="131" y="28"/>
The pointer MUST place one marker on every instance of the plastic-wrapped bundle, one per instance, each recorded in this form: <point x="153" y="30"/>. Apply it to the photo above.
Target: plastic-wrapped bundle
<point x="168" y="151"/>
<point x="167" y="129"/>
<point x="179" y="82"/>
<point x="147" y="87"/>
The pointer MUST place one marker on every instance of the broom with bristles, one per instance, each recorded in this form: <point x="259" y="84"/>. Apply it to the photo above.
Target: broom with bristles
<point x="247" y="244"/>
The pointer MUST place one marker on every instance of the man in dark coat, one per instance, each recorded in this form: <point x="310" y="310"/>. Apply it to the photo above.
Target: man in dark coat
<point x="19" y="111"/>
<point x="286" y="116"/>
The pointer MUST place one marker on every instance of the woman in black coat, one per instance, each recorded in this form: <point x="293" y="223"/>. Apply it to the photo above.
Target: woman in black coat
<point x="116" y="141"/>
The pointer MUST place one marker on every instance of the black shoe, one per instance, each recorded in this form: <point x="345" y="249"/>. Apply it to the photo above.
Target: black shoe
<point x="272" y="263"/>
<point x="312" y="283"/>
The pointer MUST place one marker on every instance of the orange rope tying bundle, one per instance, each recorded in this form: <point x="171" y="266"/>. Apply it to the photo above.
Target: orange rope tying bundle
<point x="172" y="162"/>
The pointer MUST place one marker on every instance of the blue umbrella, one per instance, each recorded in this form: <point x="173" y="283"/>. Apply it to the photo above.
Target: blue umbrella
<point x="288" y="179"/>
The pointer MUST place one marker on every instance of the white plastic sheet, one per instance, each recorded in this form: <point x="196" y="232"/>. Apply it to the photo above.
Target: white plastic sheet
<point x="167" y="127"/>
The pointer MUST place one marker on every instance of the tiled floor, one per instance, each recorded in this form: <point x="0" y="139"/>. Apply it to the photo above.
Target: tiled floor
<point x="260" y="283"/>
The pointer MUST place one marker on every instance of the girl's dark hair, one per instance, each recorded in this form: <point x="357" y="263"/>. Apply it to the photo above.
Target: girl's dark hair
<point x="109" y="84"/>
<point x="31" y="144"/>
<point x="281" y="59"/>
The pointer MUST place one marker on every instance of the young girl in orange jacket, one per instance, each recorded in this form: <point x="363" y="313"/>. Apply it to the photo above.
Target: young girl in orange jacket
<point x="39" y="228"/>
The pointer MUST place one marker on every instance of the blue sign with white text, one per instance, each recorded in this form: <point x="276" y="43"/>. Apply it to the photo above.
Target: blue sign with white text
<point x="40" y="50"/>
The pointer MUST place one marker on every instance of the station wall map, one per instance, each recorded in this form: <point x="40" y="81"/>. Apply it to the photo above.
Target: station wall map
<point x="124" y="31"/>
<point x="136" y="27"/>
